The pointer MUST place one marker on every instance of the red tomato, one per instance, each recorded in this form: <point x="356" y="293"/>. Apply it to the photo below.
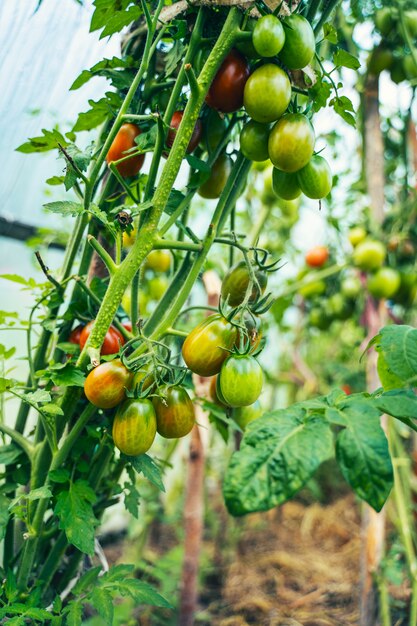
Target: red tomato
<point x="128" y="325"/>
<point x="106" y="384"/>
<point x="75" y="334"/>
<point x="317" y="256"/>
<point x="112" y="341"/>
<point x="174" y="126"/>
<point x="347" y="389"/>
<point x="226" y="90"/>
<point x="124" y="141"/>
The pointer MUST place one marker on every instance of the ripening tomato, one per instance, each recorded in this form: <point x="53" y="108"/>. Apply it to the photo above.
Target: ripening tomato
<point x="174" y="126"/>
<point x="240" y="380"/>
<point x="205" y="348"/>
<point x="356" y="235"/>
<point x="369" y="255"/>
<point x="291" y="142"/>
<point x="226" y="90"/>
<point x="174" y="411"/>
<point x="158" y="261"/>
<point x="384" y="283"/>
<point x="220" y="172"/>
<point x="112" y="341"/>
<point x="157" y="287"/>
<point x="245" y="414"/>
<point x="134" y="427"/>
<point x="75" y="334"/>
<point x="300" y="43"/>
<point x="285" y="184"/>
<point x="268" y="36"/>
<point x="129" y="238"/>
<point x="122" y="144"/>
<point x="407" y="292"/>
<point x="106" y="384"/>
<point x="236" y="282"/>
<point x="254" y="141"/>
<point x="267" y="93"/>
<point x="317" y="256"/>
<point x="315" y="178"/>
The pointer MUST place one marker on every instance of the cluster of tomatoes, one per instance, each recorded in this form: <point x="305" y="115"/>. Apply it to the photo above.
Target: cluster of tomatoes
<point x="276" y="129"/>
<point x="391" y="53"/>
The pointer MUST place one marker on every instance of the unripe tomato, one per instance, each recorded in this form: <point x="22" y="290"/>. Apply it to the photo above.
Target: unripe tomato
<point x="351" y="287"/>
<point x="397" y="72"/>
<point x="158" y="261"/>
<point x="379" y="60"/>
<point x="268" y="36"/>
<point x="300" y="43"/>
<point x="226" y="90"/>
<point x="337" y="307"/>
<point x="122" y="143"/>
<point x="285" y="185"/>
<point x="384" y="21"/>
<point x="289" y="208"/>
<point x="254" y="141"/>
<point x="106" y="384"/>
<point x="220" y="172"/>
<point x="175" y="415"/>
<point x="318" y="318"/>
<point x="317" y="256"/>
<point x="291" y="142"/>
<point x="369" y="255"/>
<point x="267" y="93"/>
<point x="112" y="341"/>
<point x="356" y="235"/>
<point x="240" y="380"/>
<point x="134" y="427"/>
<point x="410" y="18"/>
<point x="245" y="414"/>
<point x="205" y="348"/>
<point x="407" y="292"/>
<point x="384" y="283"/>
<point x="315" y="178"/>
<point x="312" y="288"/>
<point x="174" y="126"/>
<point x="157" y="287"/>
<point x="410" y="67"/>
<point x="75" y="334"/>
<point x="236" y="282"/>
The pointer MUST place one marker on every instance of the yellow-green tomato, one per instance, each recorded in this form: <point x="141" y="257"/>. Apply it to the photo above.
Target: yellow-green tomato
<point x="384" y="21"/>
<point x="267" y="93"/>
<point x="300" y="43"/>
<point x="254" y="141"/>
<point x="268" y="36"/>
<point x="369" y="255"/>
<point x="236" y="283"/>
<point x="315" y="178"/>
<point x="291" y="142"/>
<point x="220" y="172"/>
<point x="240" y="380"/>
<point x="158" y="261"/>
<point x="384" y="283"/>
<point x="351" y="287"/>
<point x="134" y="427"/>
<point x="285" y="184"/>
<point x="356" y="235"/>
<point x="157" y="287"/>
<point x="245" y="414"/>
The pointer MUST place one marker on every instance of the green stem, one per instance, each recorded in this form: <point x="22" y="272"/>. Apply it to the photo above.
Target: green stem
<point x="103" y="254"/>
<point x="312" y="278"/>
<point x="167" y="244"/>
<point x="406" y="33"/>
<point x="331" y="5"/>
<point x="18" y="438"/>
<point x="312" y="9"/>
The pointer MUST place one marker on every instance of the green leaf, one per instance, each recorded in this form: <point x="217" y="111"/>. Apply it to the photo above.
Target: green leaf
<point x="10" y="587"/>
<point x="38" y="494"/>
<point x="113" y="15"/>
<point x="131" y="499"/>
<point x="75" y="158"/>
<point x="142" y="593"/>
<point x="4" y="515"/>
<point x="330" y="33"/>
<point x="40" y="395"/>
<point x="146" y="141"/>
<point x="9" y="454"/>
<point x="69" y="376"/>
<point x="38" y="614"/>
<point x="279" y="453"/>
<point x="397" y="346"/>
<point x="76" y="517"/>
<point x="74" y="614"/>
<point x="52" y="409"/>
<point x="59" y="475"/>
<point x="65" y="207"/>
<point x="146" y="465"/>
<point x="55" y="180"/>
<point x="15" y="278"/>
<point x="117" y="573"/>
<point x="398" y="403"/>
<point x="103" y="603"/>
<point x="345" y="59"/>
<point x="7" y="383"/>
<point x="100" y="111"/>
<point x="48" y="141"/>
<point x="107" y="68"/>
<point x="343" y="107"/>
<point x="320" y="93"/>
<point x="363" y="455"/>
<point x="198" y="164"/>
<point x="388" y="379"/>
<point x="86" y="580"/>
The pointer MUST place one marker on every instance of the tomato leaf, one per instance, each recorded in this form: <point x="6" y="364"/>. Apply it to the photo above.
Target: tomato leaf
<point x="68" y="376"/>
<point x="131" y="499"/>
<point x="279" y="453"/>
<point x="4" y="515"/>
<point x="65" y="207"/>
<point x="49" y="140"/>
<point x="330" y="33"/>
<point x="100" y="111"/>
<point x="343" y="107"/>
<point x="103" y="603"/>
<point x="59" y="475"/>
<point x="9" y="454"/>
<point x="86" y="580"/>
<point x="397" y="348"/>
<point x="146" y="465"/>
<point x="74" y="614"/>
<point x="113" y="15"/>
<point x="320" y="93"/>
<point x="76" y="517"/>
<point x="342" y="58"/>
<point x="108" y="69"/>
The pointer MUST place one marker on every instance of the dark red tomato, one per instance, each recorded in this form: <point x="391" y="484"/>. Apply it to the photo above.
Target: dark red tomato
<point x="112" y="341"/>
<point x="128" y="325"/>
<point x="226" y="90"/>
<point x="174" y="126"/>
<point x="220" y="172"/>
<point x="174" y="410"/>
<point x="123" y="142"/>
<point x="317" y="256"/>
<point x="240" y="380"/>
<point x="236" y="282"/>
<point x="106" y="384"/>
<point x="75" y="334"/>
<point x="291" y="142"/>
<point x="205" y="348"/>
<point x="134" y="427"/>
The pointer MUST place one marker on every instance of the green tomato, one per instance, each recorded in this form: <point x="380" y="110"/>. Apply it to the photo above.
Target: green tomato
<point x="220" y="172"/>
<point x="236" y="283"/>
<point x="351" y="287"/>
<point x="312" y="289"/>
<point x="157" y="287"/>
<point x="384" y="283"/>
<point x="410" y="18"/>
<point x="318" y="318"/>
<point x="397" y="72"/>
<point x="338" y="307"/>
<point x="289" y="208"/>
<point x="254" y="141"/>
<point x="300" y="43"/>
<point x="285" y="185"/>
<point x="245" y="46"/>
<point x="410" y="67"/>
<point x="245" y="414"/>
<point x="407" y="292"/>
<point x="356" y="235"/>
<point x="291" y="142"/>
<point x="268" y="36"/>
<point x="240" y="380"/>
<point x="267" y="93"/>
<point x="315" y="178"/>
<point x="379" y="60"/>
<point x="384" y="21"/>
<point x="369" y="255"/>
